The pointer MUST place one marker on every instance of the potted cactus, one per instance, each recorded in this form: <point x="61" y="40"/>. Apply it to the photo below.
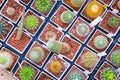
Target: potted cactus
<point x="113" y="22"/>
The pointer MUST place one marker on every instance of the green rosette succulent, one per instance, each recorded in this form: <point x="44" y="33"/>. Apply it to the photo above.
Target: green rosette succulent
<point x="113" y="22"/>
<point x="27" y="73"/>
<point x="3" y="28"/>
<point x="43" y="6"/>
<point x="115" y="57"/>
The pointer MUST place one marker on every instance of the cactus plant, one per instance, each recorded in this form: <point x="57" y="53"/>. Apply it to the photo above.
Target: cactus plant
<point x="108" y="74"/>
<point x="113" y="22"/>
<point x="82" y="29"/>
<point x="3" y="28"/>
<point x="75" y="75"/>
<point x="31" y="22"/>
<point x="10" y="11"/>
<point x="43" y="6"/>
<point x="37" y="54"/>
<point x="67" y="17"/>
<point x="26" y="73"/>
<point x="100" y="42"/>
<point x="55" y="67"/>
<point x="89" y="60"/>
<point x="59" y="47"/>
<point x="50" y="35"/>
<point x="118" y="4"/>
<point x="115" y="57"/>
<point x="76" y="3"/>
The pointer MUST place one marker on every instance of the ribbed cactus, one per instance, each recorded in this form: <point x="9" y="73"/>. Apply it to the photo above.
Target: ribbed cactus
<point x="59" y="47"/>
<point x="3" y="28"/>
<point x="113" y="22"/>
<point x="37" y="54"/>
<point x="77" y="3"/>
<point x="100" y="42"/>
<point x="115" y="58"/>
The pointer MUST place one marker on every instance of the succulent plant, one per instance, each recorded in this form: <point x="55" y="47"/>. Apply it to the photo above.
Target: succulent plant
<point x="27" y="73"/>
<point x="82" y="29"/>
<point x="55" y="67"/>
<point x="100" y="42"/>
<point x="118" y="4"/>
<point x="51" y="35"/>
<point x="113" y="22"/>
<point x="76" y="3"/>
<point x="59" y="47"/>
<point x="108" y="74"/>
<point x="115" y="57"/>
<point x="89" y="60"/>
<point x="3" y="28"/>
<point x="31" y="22"/>
<point x="75" y="75"/>
<point x="6" y="60"/>
<point x="37" y="54"/>
<point x="43" y="6"/>
<point x="67" y="17"/>
<point x="10" y="11"/>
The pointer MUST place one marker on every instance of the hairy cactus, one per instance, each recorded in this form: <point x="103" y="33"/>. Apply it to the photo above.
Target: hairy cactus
<point x="75" y="75"/>
<point x="43" y="6"/>
<point x="82" y="29"/>
<point x="10" y="11"/>
<point x="76" y="3"/>
<point x="50" y="35"/>
<point x="27" y="73"/>
<point x="100" y="42"/>
<point x="108" y="74"/>
<point x="118" y="4"/>
<point x="115" y="57"/>
<point x="113" y="22"/>
<point x="89" y="60"/>
<point x="67" y="17"/>
<point x="3" y="28"/>
<point x="37" y="54"/>
<point x="31" y="22"/>
<point x="55" y="67"/>
<point x="59" y="47"/>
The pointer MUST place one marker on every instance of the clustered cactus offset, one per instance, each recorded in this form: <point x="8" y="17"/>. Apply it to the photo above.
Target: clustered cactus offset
<point x="3" y="28"/>
<point x="113" y="22"/>
<point x="76" y="3"/>
<point x="43" y="6"/>
<point x="115" y="58"/>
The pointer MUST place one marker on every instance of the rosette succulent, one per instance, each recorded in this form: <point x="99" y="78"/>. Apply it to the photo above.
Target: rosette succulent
<point x="108" y="74"/>
<point x="82" y="29"/>
<point x="37" y="54"/>
<point x="27" y="73"/>
<point x="67" y="17"/>
<point x="113" y="22"/>
<point x="43" y="6"/>
<point x="100" y="42"/>
<point x="3" y="28"/>
<point x="31" y="22"/>
<point x="115" y="57"/>
<point x="76" y="3"/>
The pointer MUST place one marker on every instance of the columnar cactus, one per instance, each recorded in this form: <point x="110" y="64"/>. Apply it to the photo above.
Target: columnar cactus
<point x="113" y="22"/>
<point x="76" y="3"/>
<point x="3" y="28"/>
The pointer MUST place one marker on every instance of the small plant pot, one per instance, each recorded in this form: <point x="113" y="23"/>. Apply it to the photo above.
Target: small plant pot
<point x="91" y="41"/>
<point x="17" y="11"/>
<point x="50" y="28"/>
<point x="103" y="67"/>
<point x="14" y="56"/>
<point x="36" y="44"/>
<point x="108" y="2"/>
<point x="115" y="5"/>
<point x="73" y="70"/>
<point x="46" y="13"/>
<point x="69" y="4"/>
<point x="16" y="44"/>
<point x="58" y="62"/>
<point x="9" y="27"/>
<point x="74" y="48"/>
<point x="25" y="1"/>
<point x="89" y="66"/>
<point x="116" y="47"/>
<point x="44" y="76"/>
<point x="34" y="30"/>
<point x="74" y="33"/>
<point x="56" y="18"/>
<point x="105" y="24"/>
<point x="24" y="63"/>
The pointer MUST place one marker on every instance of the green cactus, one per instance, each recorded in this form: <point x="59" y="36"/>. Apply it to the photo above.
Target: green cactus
<point x="3" y="60"/>
<point x="82" y="29"/>
<point x="113" y="22"/>
<point x="115" y="57"/>
<point x="108" y="74"/>
<point x="43" y="6"/>
<point x="100" y="42"/>
<point x="77" y="3"/>
<point x="3" y="28"/>
<point x="75" y="75"/>
<point x="37" y="54"/>
<point x="89" y="60"/>
<point x="67" y="17"/>
<point x="27" y="73"/>
<point x="31" y="22"/>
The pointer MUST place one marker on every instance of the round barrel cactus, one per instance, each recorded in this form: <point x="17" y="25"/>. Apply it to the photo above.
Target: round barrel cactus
<point x="76" y="3"/>
<point x="113" y="22"/>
